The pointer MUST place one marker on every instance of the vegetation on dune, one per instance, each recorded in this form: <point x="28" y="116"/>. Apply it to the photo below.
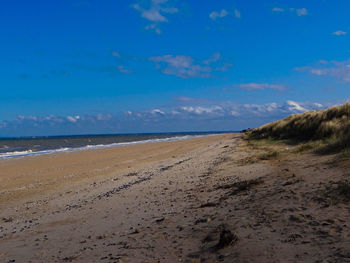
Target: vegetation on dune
<point x="324" y="131"/>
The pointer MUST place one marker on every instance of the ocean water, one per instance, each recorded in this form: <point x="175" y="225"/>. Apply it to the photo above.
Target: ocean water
<point x="27" y="146"/>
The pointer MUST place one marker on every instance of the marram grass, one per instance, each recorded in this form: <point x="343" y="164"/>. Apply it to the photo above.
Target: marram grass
<point x="323" y="130"/>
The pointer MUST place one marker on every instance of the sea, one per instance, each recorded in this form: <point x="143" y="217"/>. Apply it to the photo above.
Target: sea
<point x="28" y="146"/>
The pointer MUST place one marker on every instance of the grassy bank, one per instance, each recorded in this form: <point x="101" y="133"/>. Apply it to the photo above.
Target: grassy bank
<point x="323" y="131"/>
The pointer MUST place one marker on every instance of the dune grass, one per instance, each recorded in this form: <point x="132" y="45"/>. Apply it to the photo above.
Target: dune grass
<point x="323" y="131"/>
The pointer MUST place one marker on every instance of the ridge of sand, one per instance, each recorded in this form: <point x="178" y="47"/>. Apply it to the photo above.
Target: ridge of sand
<point x="200" y="200"/>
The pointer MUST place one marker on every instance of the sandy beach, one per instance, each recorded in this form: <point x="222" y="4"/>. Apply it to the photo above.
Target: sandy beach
<point x="209" y="199"/>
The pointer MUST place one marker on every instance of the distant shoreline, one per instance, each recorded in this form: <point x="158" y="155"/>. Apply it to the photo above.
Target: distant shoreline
<point x="29" y="137"/>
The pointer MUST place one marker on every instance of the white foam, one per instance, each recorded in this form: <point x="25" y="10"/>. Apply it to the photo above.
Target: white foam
<point x="89" y="147"/>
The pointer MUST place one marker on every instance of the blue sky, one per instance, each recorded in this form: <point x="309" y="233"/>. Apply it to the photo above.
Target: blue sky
<point x="107" y="66"/>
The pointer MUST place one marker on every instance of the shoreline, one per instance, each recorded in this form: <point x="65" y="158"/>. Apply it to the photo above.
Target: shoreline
<point x="16" y="154"/>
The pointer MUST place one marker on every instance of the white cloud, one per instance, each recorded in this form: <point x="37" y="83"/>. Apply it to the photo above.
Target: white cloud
<point x="154" y="27"/>
<point x="115" y="54"/>
<point x="234" y="113"/>
<point x="231" y="109"/>
<point x="323" y="62"/>
<point x="237" y="13"/>
<point x="295" y="106"/>
<point x="298" y="11"/>
<point x="223" y="13"/>
<point x="73" y="119"/>
<point x="278" y="9"/>
<point x="202" y="110"/>
<point x="157" y="111"/>
<point x="224" y="67"/>
<point x="183" y="99"/>
<point x="259" y="86"/>
<point x="181" y="66"/>
<point x="316" y="71"/>
<point x="122" y="69"/>
<point x="301" y="11"/>
<point x="318" y="105"/>
<point x="214" y="58"/>
<point x="30" y="118"/>
<point x="194" y="114"/>
<point x="214" y="15"/>
<point x="339" y="33"/>
<point x="186" y="67"/>
<point x="155" y="13"/>
<point x="336" y="69"/>
<point x="103" y="117"/>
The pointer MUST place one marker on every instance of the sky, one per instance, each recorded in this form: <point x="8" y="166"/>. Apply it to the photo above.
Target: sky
<point x="131" y="66"/>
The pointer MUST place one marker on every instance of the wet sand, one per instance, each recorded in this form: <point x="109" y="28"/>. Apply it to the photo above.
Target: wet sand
<point x="200" y="200"/>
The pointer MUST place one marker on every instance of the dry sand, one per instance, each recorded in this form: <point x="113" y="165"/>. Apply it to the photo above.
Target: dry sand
<point x="208" y="199"/>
